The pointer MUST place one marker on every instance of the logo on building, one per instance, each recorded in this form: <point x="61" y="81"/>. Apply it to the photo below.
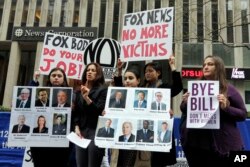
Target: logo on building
<point x="38" y="33"/>
<point x="238" y="74"/>
<point x="18" y="32"/>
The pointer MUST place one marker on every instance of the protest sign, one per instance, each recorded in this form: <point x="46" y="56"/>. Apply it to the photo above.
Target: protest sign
<point x="106" y="52"/>
<point x="128" y="112"/>
<point x="203" y="106"/>
<point x="147" y="35"/>
<point x="40" y="116"/>
<point x="64" y="52"/>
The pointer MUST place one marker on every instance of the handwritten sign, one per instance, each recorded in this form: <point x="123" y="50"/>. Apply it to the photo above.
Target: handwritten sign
<point x="147" y="35"/>
<point x="64" y="52"/>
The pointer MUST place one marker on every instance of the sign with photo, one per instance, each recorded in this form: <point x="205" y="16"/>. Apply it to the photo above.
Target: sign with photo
<point x="40" y="116"/>
<point x="137" y="119"/>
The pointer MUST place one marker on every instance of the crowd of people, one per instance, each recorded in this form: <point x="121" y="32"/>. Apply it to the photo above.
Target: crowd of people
<point x="202" y="147"/>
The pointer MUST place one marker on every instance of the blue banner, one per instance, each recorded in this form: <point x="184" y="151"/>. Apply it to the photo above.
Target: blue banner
<point x="9" y="156"/>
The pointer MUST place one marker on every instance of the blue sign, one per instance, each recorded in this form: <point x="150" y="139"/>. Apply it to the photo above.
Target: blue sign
<point x="9" y="156"/>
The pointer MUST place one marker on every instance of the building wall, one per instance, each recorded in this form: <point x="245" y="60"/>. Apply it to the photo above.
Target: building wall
<point x="201" y="27"/>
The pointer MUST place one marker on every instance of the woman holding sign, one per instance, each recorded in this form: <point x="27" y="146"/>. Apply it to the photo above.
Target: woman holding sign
<point x="153" y="76"/>
<point x="211" y="147"/>
<point x="44" y="156"/>
<point x="131" y="78"/>
<point x="89" y="105"/>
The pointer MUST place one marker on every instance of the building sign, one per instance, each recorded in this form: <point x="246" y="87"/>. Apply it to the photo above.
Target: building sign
<point x="38" y="33"/>
<point x="191" y="73"/>
<point x="238" y="74"/>
<point x="231" y="73"/>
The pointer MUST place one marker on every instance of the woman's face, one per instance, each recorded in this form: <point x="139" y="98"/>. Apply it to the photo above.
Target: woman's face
<point x="56" y="78"/>
<point x="130" y="80"/>
<point x="151" y="75"/>
<point x="41" y="121"/>
<point x="91" y="73"/>
<point x="209" y="69"/>
<point x="126" y="129"/>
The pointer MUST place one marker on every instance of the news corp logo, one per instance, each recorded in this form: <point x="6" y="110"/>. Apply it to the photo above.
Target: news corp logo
<point x="19" y="32"/>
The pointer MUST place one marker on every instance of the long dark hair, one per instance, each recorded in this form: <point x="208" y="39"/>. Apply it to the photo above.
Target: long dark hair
<point x="65" y="82"/>
<point x="220" y="73"/>
<point x="99" y="80"/>
<point x="157" y="67"/>
<point x="135" y="70"/>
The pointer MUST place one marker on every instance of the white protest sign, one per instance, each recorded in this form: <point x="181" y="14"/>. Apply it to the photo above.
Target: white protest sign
<point x="64" y="52"/>
<point x="147" y="35"/>
<point x="203" y="106"/>
<point x="40" y="122"/>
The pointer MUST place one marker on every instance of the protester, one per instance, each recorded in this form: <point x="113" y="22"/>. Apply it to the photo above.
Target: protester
<point x="153" y="79"/>
<point x="44" y="156"/>
<point x="89" y="105"/>
<point x="131" y="78"/>
<point x="211" y="147"/>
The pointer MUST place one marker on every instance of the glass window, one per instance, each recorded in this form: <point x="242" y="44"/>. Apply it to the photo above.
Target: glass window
<point x="76" y="13"/>
<point x="230" y="31"/>
<point x="157" y="4"/>
<point x="171" y="3"/>
<point x="225" y="52"/>
<point x="50" y="13"/>
<point x="89" y="14"/>
<point x="130" y="6"/>
<point x="4" y="61"/>
<point x="185" y="21"/>
<point x="26" y="67"/>
<point x="193" y="54"/>
<point x="25" y="12"/>
<point x="143" y="5"/>
<point x="1" y="10"/>
<point x="215" y="20"/>
<point x="37" y="14"/>
<point x="116" y="19"/>
<point x="200" y="20"/>
<point x="246" y="57"/>
<point x="245" y="23"/>
<point x="102" y="18"/>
